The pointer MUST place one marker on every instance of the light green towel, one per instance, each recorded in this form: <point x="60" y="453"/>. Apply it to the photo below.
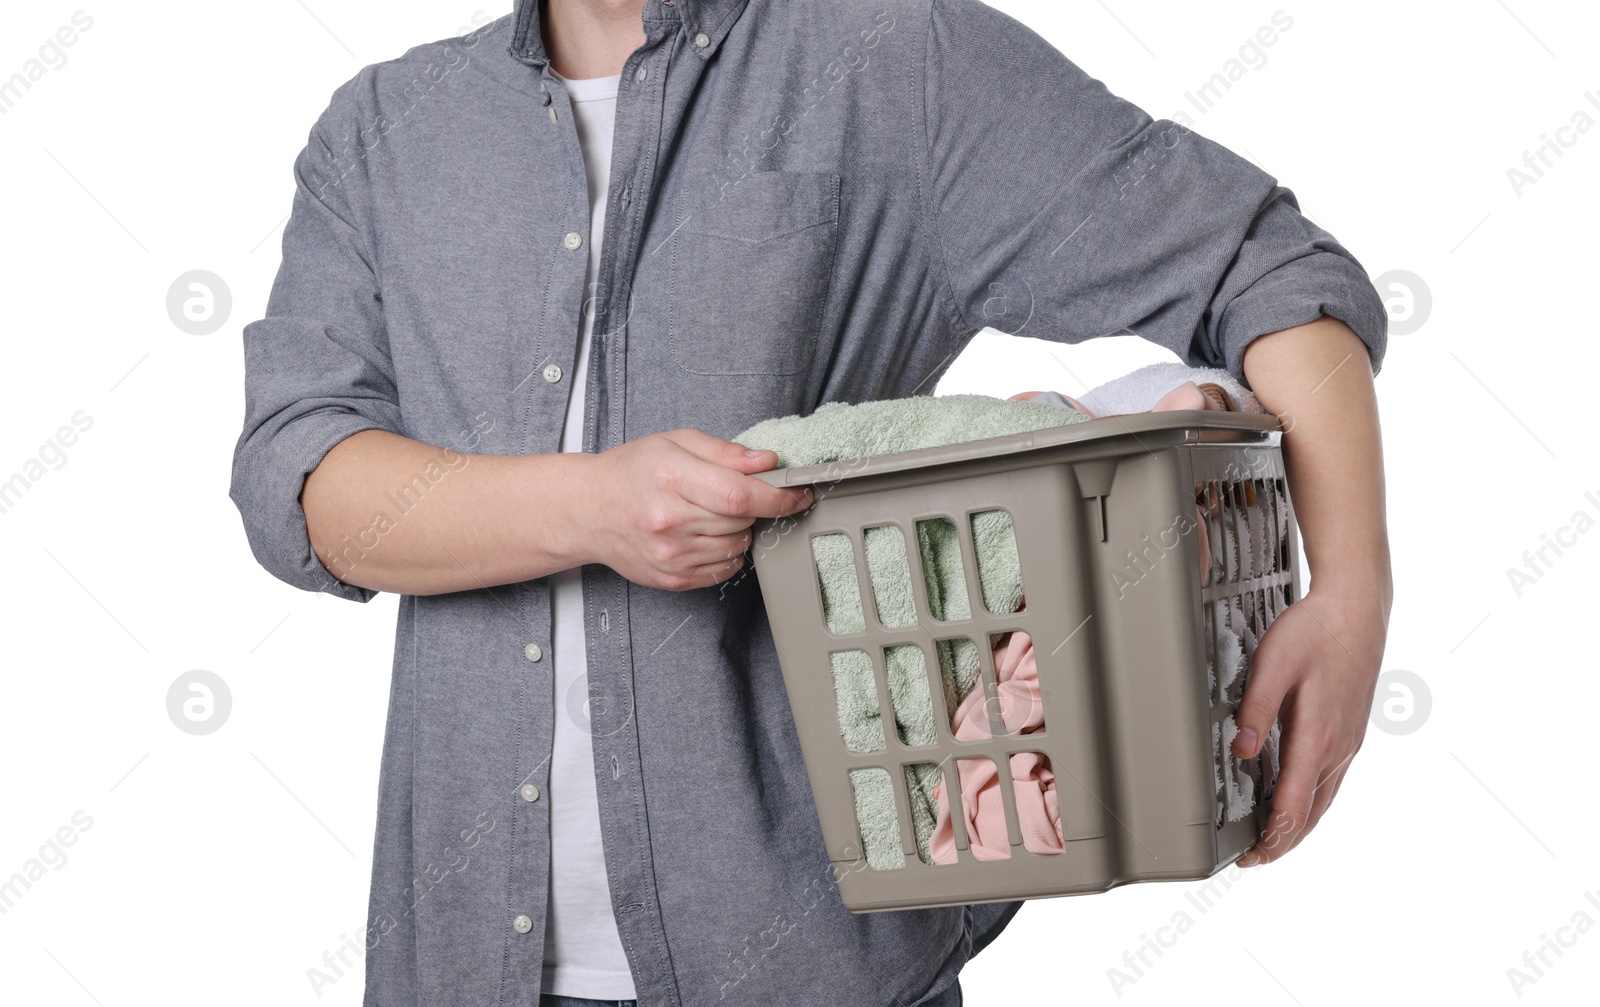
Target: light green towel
<point x="840" y="432"/>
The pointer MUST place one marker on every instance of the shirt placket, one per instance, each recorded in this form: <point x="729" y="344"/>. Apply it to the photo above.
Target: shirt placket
<point x="640" y="124"/>
<point x="649" y="108"/>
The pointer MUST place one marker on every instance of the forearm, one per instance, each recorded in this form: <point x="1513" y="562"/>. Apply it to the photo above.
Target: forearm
<point x="1318" y="379"/>
<point x="393" y="514"/>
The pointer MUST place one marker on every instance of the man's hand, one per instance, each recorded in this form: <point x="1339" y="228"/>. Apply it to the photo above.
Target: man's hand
<point x="673" y="510"/>
<point x="1315" y="670"/>
<point x="1318" y="664"/>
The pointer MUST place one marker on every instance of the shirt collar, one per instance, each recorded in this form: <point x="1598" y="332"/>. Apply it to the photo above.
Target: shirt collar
<point x="711" y="18"/>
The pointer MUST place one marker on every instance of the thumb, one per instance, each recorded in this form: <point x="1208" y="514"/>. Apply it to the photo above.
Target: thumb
<point x="1269" y="682"/>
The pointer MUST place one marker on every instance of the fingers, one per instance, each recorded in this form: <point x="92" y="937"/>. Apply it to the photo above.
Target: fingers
<point x="720" y="561"/>
<point x="722" y="487"/>
<point x="1292" y="800"/>
<point x="720" y="452"/>
<point x="1327" y="789"/>
<point x="1270" y="681"/>
<point x="709" y="550"/>
<point x="1320" y="802"/>
<point x="715" y="573"/>
<point x="1185" y="396"/>
<point x="1286" y="840"/>
<point x="721" y="491"/>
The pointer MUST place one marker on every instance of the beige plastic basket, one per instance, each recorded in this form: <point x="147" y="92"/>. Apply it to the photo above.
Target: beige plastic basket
<point x="1130" y="638"/>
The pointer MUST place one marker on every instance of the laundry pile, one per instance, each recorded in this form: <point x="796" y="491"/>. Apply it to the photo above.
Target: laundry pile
<point x="838" y="432"/>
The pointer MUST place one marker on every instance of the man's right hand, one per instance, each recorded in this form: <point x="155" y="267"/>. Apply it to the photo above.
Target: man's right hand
<point x="673" y="510"/>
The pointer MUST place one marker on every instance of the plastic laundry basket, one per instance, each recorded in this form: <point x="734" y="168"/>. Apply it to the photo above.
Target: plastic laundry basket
<point x="1128" y="633"/>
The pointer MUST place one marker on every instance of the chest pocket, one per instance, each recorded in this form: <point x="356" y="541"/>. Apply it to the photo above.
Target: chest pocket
<point x="751" y="267"/>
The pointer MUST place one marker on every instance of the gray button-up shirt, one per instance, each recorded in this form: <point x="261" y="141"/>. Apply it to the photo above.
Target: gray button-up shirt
<point x="810" y="201"/>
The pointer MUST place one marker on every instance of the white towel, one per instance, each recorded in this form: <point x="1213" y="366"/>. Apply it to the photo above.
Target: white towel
<point x="1139" y="391"/>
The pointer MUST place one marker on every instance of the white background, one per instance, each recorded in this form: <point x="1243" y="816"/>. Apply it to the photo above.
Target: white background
<point x="219" y="868"/>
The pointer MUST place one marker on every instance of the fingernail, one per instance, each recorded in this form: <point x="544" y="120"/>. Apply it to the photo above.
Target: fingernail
<point x="752" y="452"/>
<point x="1250" y="859"/>
<point x="1247" y="737"/>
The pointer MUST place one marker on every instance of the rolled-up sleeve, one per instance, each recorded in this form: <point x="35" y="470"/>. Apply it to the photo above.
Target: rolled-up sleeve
<point x="1064" y="212"/>
<point x="317" y="367"/>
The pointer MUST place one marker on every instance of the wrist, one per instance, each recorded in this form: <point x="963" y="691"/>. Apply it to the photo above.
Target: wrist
<point x="564" y="520"/>
<point x="1370" y="585"/>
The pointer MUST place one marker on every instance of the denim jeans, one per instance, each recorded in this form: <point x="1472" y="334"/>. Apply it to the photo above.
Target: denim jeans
<point x="949" y="997"/>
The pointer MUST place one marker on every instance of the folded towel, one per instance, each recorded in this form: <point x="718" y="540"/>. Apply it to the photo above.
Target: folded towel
<point x="840" y="431"/>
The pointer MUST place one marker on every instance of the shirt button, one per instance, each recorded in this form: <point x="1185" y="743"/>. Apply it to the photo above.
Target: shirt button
<point x="544" y="99"/>
<point x="530" y="793"/>
<point x="573" y="240"/>
<point x="701" y="40"/>
<point x="522" y="924"/>
<point x="532" y="652"/>
<point x="640" y="74"/>
<point x="552" y="373"/>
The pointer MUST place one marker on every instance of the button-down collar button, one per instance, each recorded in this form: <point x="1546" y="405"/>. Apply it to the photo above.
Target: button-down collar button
<point x="701" y="40"/>
<point x="640" y="74"/>
<point x="573" y="240"/>
<point x="523" y="923"/>
<point x="552" y="373"/>
<point x="532" y="652"/>
<point x="530" y="793"/>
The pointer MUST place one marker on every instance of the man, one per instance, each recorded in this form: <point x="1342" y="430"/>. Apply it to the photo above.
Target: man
<point x="591" y="785"/>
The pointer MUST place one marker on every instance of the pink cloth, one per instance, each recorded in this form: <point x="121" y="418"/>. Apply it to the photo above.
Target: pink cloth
<point x="982" y="805"/>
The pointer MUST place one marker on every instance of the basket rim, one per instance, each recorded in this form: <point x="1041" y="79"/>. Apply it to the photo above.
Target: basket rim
<point x="1189" y="423"/>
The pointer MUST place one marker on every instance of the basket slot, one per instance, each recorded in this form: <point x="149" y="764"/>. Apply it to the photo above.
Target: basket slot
<point x="1020" y="705"/>
<point x="889" y="574"/>
<point x="1209" y="619"/>
<point x="835" y="573"/>
<point x="914" y="719"/>
<point x="935" y="601"/>
<point x="856" y="698"/>
<point x="880" y="818"/>
<point x="921" y="778"/>
<point x="994" y="548"/>
<point x="1044" y="839"/>
<point x="960" y="672"/>
<point x="1235" y="547"/>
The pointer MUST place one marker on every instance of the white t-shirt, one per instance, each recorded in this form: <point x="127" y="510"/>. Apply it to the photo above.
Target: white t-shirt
<point x="583" y="954"/>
